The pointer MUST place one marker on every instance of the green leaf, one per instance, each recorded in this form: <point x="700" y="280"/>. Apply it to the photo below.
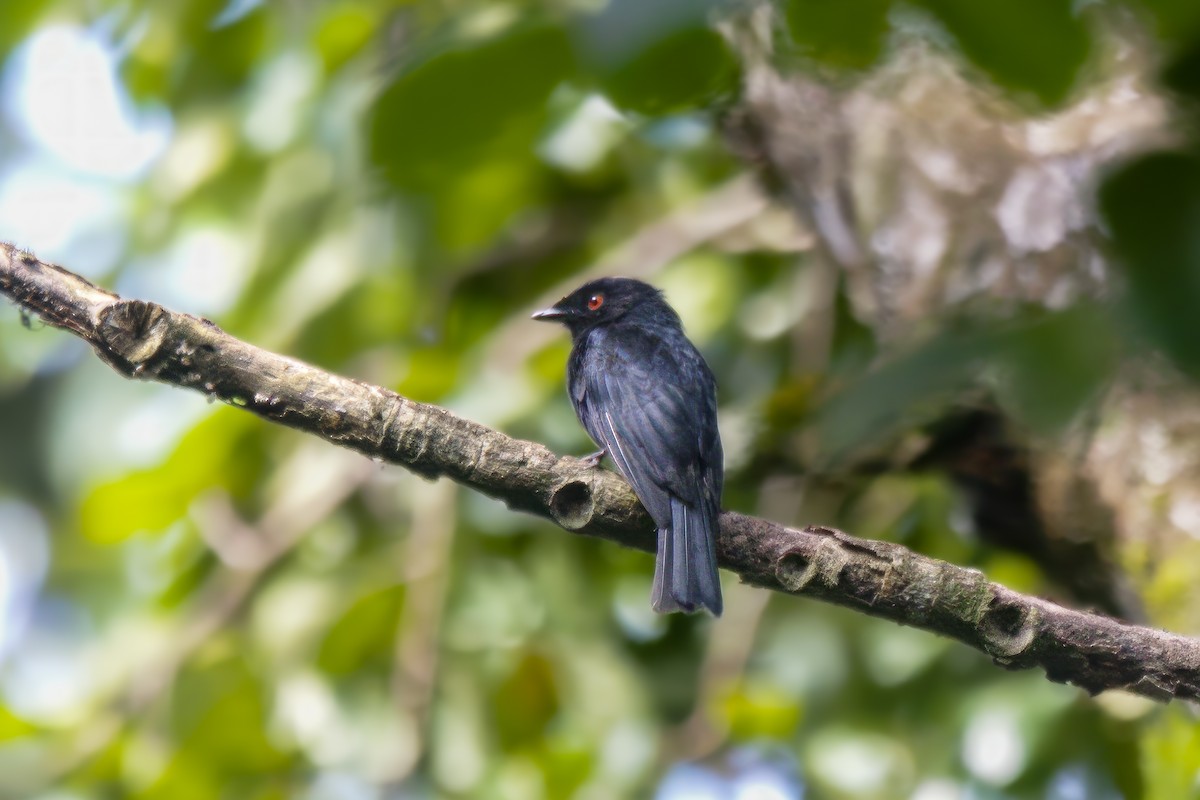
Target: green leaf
<point x="1175" y="20"/>
<point x="567" y="764"/>
<point x="1183" y="73"/>
<point x="1171" y="755"/>
<point x="468" y="105"/>
<point x="891" y="397"/>
<point x="656" y="58"/>
<point x="842" y="33"/>
<point x="683" y="70"/>
<point x="474" y="206"/>
<point x="1053" y="365"/>
<point x="220" y="58"/>
<point x="1152" y="207"/>
<point x="19" y="19"/>
<point x="218" y="721"/>
<point x="185" y="778"/>
<point x="754" y="711"/>
<point x="343" y="30"/>
<point x="1028" y="46"/>
<point x="221" y="712"/>
<point x="150" y="500"/>
<point x="13" y="727"/>
<point x="432" y="372"/>
<point x="365" y="634"/>
<point x="526" y="701"/>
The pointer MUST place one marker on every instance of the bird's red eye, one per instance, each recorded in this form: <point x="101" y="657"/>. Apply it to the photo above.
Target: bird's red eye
<point x="595" y="301"/>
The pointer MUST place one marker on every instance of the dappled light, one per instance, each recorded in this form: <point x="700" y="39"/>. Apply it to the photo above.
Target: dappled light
<point x="943" y="259"/>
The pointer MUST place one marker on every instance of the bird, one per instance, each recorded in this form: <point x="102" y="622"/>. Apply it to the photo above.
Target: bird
<point x="646" y="396"/>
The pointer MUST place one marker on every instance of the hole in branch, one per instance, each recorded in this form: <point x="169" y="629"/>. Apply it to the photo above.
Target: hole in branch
<point x="572" y="505"/>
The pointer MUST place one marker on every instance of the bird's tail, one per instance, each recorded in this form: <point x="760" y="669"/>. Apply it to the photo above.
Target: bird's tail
<point x="685" y="572"/>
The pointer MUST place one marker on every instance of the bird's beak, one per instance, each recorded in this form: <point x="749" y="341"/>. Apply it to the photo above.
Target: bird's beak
<point x="550" y="314"/>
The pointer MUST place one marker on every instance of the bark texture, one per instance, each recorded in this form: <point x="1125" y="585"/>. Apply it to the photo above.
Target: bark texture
<point x="146" y="341"/>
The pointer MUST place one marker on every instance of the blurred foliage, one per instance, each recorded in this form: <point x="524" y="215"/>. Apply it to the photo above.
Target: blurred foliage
<point x="846" y="35"/>
<point x="195" y="604"/>
<point x="1160" y="245"/>
<point x="1054" y="42"/>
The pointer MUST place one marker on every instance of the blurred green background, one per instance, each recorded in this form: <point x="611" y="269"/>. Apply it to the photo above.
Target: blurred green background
<point x="943" y="256"/>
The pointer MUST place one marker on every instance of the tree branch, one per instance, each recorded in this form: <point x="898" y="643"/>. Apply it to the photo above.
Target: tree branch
<point x="144" y="340"/>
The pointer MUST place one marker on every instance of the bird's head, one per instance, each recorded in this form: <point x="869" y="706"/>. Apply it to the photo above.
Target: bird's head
<point x="607" y="300"/>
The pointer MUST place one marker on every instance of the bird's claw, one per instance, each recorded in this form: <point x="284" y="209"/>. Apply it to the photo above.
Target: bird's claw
<point x="594" y="459"/>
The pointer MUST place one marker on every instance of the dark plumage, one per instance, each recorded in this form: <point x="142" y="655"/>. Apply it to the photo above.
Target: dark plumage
<point x="645" y="395"/>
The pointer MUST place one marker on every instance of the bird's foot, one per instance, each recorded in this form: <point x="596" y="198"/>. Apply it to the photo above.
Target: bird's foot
<point x="594" y="459"/>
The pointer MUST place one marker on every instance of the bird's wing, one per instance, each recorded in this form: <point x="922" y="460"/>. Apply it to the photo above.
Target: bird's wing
<point x="646" y="401"/>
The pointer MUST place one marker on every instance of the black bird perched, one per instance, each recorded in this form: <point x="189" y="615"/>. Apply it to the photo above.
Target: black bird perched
<point x="645" y="395"/>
